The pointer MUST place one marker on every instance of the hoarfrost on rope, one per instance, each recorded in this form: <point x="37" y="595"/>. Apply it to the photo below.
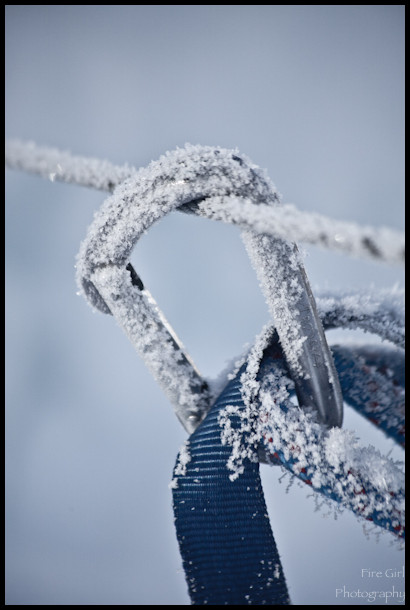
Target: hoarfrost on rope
<point x="286" y="221"/>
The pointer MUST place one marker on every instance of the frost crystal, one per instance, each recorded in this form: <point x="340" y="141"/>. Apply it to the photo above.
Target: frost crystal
<point x="380" y="312"/>
<point x="184" y="457"/>
<point x="331" y="461"/>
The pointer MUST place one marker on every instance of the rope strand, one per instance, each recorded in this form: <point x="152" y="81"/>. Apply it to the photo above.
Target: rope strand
<point x="286" y="221"/>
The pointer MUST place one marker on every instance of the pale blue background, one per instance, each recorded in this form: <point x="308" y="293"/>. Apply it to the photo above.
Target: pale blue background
<point x="314" y="94"/>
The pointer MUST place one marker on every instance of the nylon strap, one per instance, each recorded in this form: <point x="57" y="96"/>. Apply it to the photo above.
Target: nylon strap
<point x="226" y="542"/>
<point x="228" y="550"/>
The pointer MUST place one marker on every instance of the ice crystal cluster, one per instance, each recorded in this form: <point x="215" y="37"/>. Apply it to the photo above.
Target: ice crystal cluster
<point x="331" y="461"/>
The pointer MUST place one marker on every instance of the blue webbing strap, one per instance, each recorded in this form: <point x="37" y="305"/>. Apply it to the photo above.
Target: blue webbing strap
<point x="228" y="551"/>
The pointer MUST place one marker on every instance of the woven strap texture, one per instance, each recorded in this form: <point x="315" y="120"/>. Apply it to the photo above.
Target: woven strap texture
<point x="373" y="382"/>
<point x="226" y="542"/>
<point x="228" y="551"/>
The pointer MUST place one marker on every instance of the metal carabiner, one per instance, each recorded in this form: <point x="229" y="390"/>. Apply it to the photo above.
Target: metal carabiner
<point x="183" y="179"/>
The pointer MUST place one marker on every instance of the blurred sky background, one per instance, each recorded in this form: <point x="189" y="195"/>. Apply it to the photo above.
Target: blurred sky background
<point x="315" y="95"/>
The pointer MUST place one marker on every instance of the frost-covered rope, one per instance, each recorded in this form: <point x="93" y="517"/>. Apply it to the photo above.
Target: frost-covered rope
<point x="285" y="221"/>
<point x="62" y="166"/>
